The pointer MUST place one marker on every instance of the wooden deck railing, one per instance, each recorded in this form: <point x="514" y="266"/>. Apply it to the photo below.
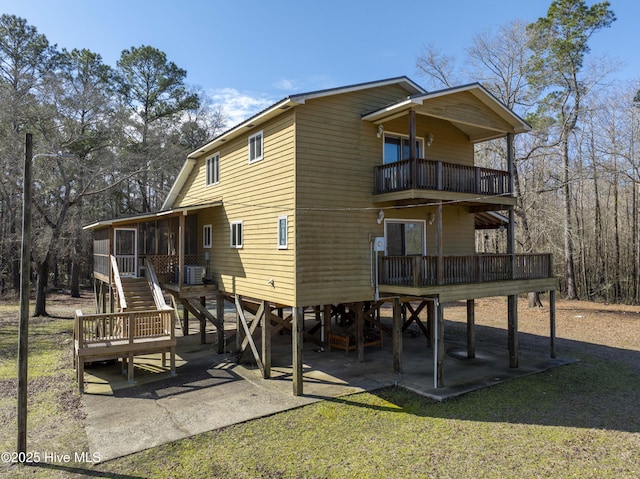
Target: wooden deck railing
<point x="122" y="335"/>
<point x="419" y="271"/>
<point x="133" y="326"/>
<point x="441" y="176"/>
<point x="122" y="300"/>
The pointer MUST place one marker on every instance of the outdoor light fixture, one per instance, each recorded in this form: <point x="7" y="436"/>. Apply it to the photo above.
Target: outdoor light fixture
<point x="430" y="138"/>
<point x="380" y="131"/>
<point x="380" y="217"/>
<point x="431" y="218"/>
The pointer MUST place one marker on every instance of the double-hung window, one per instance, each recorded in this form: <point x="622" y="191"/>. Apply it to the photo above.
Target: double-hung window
<point x="206" y="236"/>
<point x="212" y="172"/>
<point x="236" y="234"/>
<point x="256" y="143"/>
<point x="282" y="232"/>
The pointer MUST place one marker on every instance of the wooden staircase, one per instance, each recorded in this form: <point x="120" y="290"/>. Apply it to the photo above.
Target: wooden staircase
<point x="138" y="295"/>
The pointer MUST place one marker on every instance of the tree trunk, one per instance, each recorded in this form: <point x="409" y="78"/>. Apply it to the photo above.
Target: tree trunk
<point x="42" y="270"/>
<point x="568" y="240"/>
<point x="534" y="300"/>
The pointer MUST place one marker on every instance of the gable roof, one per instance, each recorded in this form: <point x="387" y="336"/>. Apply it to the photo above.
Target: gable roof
<point x="471" y="108"/>
<point x="272" y="111"/>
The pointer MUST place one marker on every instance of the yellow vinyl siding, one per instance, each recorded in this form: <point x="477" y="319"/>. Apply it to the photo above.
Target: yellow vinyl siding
<point x="449" y="143"/>
<point x="465" y="108"/>
<point x="256" y="194"/>
<point x="336" y="154"/>
<point x="458" y="228"/>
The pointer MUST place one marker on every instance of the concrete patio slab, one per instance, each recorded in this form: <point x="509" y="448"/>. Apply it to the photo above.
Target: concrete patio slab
<point x="212" y="391"/>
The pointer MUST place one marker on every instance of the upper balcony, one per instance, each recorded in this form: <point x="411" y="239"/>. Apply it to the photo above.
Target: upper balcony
<point x="438" y="180"/>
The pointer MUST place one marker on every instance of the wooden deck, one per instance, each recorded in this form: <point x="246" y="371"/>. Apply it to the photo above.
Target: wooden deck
<point x="99" y="337"/>
<point x="466" y="277"/>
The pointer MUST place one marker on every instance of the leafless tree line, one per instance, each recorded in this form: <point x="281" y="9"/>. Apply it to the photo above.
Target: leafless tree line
<point x="128" y="128"/>
<point x="577" y="171"/>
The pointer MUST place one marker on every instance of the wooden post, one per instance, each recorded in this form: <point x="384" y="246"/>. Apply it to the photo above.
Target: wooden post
<point x="471" y="329"/>
<point x="412" y="146"/>
<point x="266" y="340"/>
<point x="238" y="327"/>
<point x="513" y="330"/>
<point x="431" y="313"/>
<point x="439" y="246"/>
<point x="511" y="249"/>
<point x="397" y="336"/>
<point x="220" y="316"/>
<point x="326" y="312"/>
<point x="552" y="322"/>
<point x="25" y="277"/>
<point x="360" y="331"/>
<point x="203" y="321"/>
<point x="185" y="314"/>
<point x="440" y="344"/>
<point x="181" y="245"/>
<point x="297" y="323"/>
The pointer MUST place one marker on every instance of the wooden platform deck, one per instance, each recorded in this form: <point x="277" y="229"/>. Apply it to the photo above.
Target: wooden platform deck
<point x="123" y="335"/>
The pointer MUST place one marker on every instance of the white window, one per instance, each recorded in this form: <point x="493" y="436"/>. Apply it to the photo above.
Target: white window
<point x="396" y="148"/>
<point x="206" y="236"/>
<point x="255" y="147"/>
<point x="282" y="232"/>
<point x="236" y="234"/>
<point x="212" y="172"/>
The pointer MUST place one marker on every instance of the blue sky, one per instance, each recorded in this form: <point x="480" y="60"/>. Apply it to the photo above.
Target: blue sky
<point x="249" y="54"/>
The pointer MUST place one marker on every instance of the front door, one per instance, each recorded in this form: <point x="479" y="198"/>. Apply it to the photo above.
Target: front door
<point x="125" y="251"/>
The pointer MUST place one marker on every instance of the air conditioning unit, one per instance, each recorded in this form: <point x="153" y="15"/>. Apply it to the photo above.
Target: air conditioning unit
<point x="193" y="274"/>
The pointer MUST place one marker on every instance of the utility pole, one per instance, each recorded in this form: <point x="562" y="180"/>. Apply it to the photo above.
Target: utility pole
<point x="25" y="268"/>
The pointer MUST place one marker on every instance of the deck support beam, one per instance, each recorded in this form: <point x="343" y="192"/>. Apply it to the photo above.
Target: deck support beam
<point x="439" y="346"/>
<point x="297" y="327"/>
<point x="203" y="324"/>
<point x="220" y="315"/>
<point x="552" y="323"/>
<point x="471" y="329"/>
<point x="439" y="246"/>
<point x="266" y="340"/>
<point x="248" y="339"/>
<point x="512" y="327"/>
<point x="397" y="335"/>
<point x="326" y="319"/>
<point x="360" y="330"/>
<point x="181" y="243"/>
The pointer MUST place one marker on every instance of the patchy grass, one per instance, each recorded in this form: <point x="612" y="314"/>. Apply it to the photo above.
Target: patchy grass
<point x="575" y="421"/>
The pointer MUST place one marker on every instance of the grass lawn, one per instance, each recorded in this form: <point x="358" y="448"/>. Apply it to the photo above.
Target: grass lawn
<point x="580" y="421"/>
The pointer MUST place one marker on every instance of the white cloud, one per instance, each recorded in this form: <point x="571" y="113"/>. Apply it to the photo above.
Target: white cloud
<point x="238" y="106"/>
<point x="285" y="84"/>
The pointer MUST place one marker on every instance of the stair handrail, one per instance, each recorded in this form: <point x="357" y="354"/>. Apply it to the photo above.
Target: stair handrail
<point x="154" y="284"/>
<point x="118" y="282"/>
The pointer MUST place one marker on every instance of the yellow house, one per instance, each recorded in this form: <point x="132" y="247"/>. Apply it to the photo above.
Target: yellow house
<point x="338" y="199"/>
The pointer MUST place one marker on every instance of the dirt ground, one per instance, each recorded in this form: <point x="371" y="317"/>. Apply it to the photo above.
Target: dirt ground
<point x="613" y="325"/>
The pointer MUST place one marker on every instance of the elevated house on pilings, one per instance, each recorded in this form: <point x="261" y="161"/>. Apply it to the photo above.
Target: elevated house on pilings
<point x="342" y="200"/>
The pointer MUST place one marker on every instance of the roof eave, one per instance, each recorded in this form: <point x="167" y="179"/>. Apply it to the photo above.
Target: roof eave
<point x="252" y="122"/>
